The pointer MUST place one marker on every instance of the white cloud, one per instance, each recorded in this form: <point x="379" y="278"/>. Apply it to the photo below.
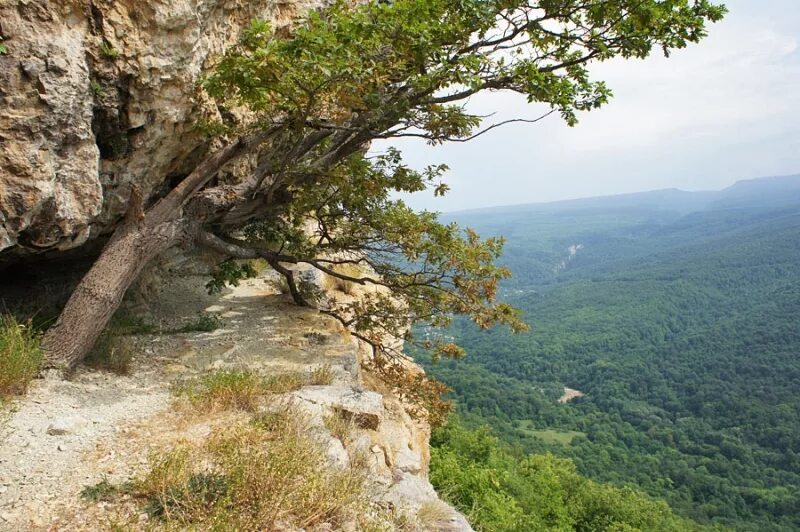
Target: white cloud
<point x="725" y="109"/>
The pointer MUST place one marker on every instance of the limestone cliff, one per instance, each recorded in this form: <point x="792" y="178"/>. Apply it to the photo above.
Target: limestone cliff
<point x="98" y="94"/>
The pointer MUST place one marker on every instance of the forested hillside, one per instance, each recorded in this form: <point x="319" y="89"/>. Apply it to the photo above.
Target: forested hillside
<point x="677" y="315"/>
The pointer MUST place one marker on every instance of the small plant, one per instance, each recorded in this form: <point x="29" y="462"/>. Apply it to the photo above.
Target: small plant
<point x="223" y="390"/>
<point x="96" y="88"/>
<point x="284" y="382"/>
<point x="127" y="323"/>
<point x="111" y="352"/>
<point x="339" y="426"/>
<point x="323" y="375"/>
<point x="3" y="47"/>
<point x="108" y="51"/>
<point x="343" y="285"/>
<point x="252" y="478"/>
<point x="198" y="494"/>
<point x="276" y="419"/>
<point x="235" y="389"/>
<point x="20" y="355"/>
<point x="102" y="491"/>
<point x="433" y="515"/>
<point x="205" y="323"/>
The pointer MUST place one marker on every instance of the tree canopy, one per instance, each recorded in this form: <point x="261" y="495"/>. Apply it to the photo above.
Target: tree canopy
<point x="353" y="73"/>
<point x="315" y="98"/>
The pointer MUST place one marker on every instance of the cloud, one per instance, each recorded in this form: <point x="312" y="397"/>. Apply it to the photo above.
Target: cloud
<point x="726" y="109"/>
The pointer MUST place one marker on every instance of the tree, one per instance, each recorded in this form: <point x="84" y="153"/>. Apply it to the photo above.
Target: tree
<point x="350" y="74"/>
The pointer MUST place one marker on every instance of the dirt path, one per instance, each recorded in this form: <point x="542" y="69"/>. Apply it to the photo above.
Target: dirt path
<point x="58" y="439"/>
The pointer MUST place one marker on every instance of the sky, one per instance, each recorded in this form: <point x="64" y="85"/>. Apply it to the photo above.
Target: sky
<point x="719" y="111"/>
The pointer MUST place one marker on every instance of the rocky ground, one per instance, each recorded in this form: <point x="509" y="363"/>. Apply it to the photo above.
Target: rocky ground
<point x="66" y="435"/>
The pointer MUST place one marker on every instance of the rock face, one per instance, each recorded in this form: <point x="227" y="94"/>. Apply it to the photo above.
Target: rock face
<point x="97" y="95"/>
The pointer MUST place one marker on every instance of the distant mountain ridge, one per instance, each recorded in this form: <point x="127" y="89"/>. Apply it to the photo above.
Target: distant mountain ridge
<point x="764" y="191"/>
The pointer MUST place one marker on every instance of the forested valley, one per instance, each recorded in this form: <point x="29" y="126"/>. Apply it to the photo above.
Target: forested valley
<point x="675" y="317"/>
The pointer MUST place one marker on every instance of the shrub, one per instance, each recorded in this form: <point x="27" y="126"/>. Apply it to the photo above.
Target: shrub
<point x="20" y="355"/>
<point x="102" y="491"/>
<point x="343" y="285"/>
<point x="339" y="426"/>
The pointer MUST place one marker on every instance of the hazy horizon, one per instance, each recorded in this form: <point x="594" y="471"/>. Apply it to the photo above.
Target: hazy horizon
<point x="721" y="111"/>
<point x="612" y="195"/>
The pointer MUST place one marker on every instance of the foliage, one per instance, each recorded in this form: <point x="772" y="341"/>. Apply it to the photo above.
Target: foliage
<point x="3" y="47"/>
<point x="352" y="73"/>
<point x="501" y="492"/>
<point x="20" y="355"/>
<point x="96" y="88"/>
<point x="678" y="323"/>
<point x="322" y="375"/>
<point x="340" y="426"/>
<point x="203" y="323"/>
<point x="253" y="477"/>
<point x="102" y="491"/>
<point x="108" y="51"/>
<point x="229" y="273"/>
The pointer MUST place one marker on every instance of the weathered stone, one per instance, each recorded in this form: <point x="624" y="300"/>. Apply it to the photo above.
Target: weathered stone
<point x="80" y="124"/>
<point x="365" y="408"/>
<point x="66" y="425"/>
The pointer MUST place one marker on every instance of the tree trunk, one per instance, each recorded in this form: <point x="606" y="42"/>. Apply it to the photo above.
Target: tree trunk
<point x="97" y="297"/>
<point x="136" y="242"/>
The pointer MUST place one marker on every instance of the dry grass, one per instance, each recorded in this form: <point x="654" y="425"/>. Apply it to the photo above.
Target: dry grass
<point x="262" y="476"/>
<point x="322" y="375"/>
<point x="20" y="355"/>
<point x="433" y="514"/>
<point x="339" y="426"/>
<point x="343" y="285"/>
<point x="234" y="389"/>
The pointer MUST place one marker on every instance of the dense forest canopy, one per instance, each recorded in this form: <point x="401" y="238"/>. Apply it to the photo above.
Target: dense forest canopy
<point x="677" y="318"/>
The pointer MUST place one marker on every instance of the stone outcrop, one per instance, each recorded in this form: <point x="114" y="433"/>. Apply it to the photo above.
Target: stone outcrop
<point x="98" y="95"/>
<point x="65" y="435"/>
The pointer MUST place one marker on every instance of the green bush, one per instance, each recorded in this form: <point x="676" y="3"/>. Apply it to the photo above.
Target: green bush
<point x="501" y="492"/>
<point x="203" y="323"/>
<point x="20" y="355"/>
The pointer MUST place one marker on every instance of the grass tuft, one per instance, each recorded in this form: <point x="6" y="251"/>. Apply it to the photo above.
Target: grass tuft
<point x="203" y="323"/>
<point x="323" y="375"/>
<point x="339" y="426"/>
<point x="20" y="355"/>
<point x="253" y="478"/>
<point x="234" y="389"/>
<point x="108" y="51"/>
